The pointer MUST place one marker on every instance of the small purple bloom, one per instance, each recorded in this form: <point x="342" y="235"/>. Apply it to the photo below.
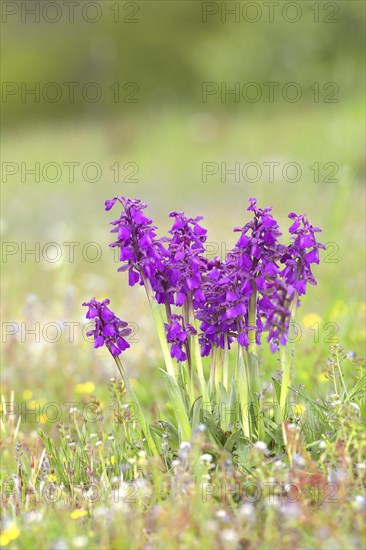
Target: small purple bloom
<point x="140" y="251"/>
<point x="180" y="275"/>
<point x="301" y="253"/>
<point x="222" y="310"/>
<point x="177" y="333"/>
<point x="109" y="329"/>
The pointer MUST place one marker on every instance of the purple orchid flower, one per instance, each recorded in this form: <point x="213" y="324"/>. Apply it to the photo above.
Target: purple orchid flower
<point x="301" y="253"/>
<point x="250" y="292"/>
<point x="178" y="334"/>
<point x="109" y="329"/>
<point x="140" y="251"/>
<point x="181" y="271"/>
<point x="221" y="308"/>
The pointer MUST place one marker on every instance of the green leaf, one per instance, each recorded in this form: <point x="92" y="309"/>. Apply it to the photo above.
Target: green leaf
<point x="358" y="388"/>
<point x="242" y="452"/>
<point x="313" y="406"/>
<point x="231" y="441"/>
<point x="216" y="433"/>
<point x="178" y="406"/>
<point x="196" y="415"/>
<point x="223" y="394"/>
<point x="277" y="389"/>
<point x="270" y="433"/>
<point x="233" y="414"/>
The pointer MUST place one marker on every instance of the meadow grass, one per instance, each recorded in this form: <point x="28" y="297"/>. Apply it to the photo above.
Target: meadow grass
<point x="84" y="479"/>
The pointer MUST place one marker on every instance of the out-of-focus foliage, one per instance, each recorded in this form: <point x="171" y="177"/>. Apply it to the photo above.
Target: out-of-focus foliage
<point x="171" y="50"/>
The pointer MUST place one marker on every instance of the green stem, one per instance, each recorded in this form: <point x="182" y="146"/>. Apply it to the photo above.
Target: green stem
<point x="341" y="376"/>
<point x="212" y="371"/>
<point x="226" y="365"/>
<point x="197" y="355"/>
<point x="255" y="395"/>
<point x="178" y="406"/>
<point x="218" y="376"/>
<point x="286" y="362"/>
<point x="141" y="418"/>
<point x="334" y="379"/>
<point x="243" y="385"/>
<point x="284" y="383"/>
<point x="199" y="367"/>
<point x="190" y="379"/>
<point x="175" y="392"/>
<point x="253" y="366"/>
<point x="160" y="328"/>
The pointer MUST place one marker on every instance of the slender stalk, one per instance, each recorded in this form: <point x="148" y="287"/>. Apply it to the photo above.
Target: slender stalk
<point x="255" y="395"/>
<point x="142" y="420"/>
<point x="218" y="375"/>
<point x="160" y="328"/>
<point x="341" y="376"/>
<point x="199" y="367"/>
<point x="178" y="406"/>
<point x="168" y="309"/>
<point x="252" y="320"/>
<point x="284" y="382"/>
<point x="190" y="379"/>
<point x="335" y="379"/>
<point x="197" y="354"/>
<point x="253" y="366"/>
<point x="226" y="365"/>
<point x="212" y="370"/>
<point x="176" y="395"/>
<point x="243" y="385"/>
<point x="286" y="362"/>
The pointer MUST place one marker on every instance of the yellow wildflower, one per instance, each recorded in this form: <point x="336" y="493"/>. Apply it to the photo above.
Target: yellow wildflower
<point x="87" y="387"/>
<point x="27" y="394"/>
<point x="310" y="319"/>
<point x="78" y="513"/>
<point x="11" y="533"/>
<point x="299" y="409"/>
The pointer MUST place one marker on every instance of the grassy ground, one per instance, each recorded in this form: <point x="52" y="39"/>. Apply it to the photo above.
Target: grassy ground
<point x="306" y="493"/>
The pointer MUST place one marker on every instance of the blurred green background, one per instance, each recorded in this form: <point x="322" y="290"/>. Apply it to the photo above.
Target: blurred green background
<point x="160" y="131"/>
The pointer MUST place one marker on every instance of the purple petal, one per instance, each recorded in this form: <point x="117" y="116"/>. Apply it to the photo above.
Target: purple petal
<point x="110" y="203"/>
<point x="312" y="256"/>
<point x="243" y="339"/>
<point x="113" y="349"/>
<point x="180" y="299"/>
<point x="106" y="314"/>
<point x="123" y="232"/>
<point x="122" y="344"/>
<point x="133" y="277"/>
<point x="92" y="312"/>
<point x="98" y="341"/>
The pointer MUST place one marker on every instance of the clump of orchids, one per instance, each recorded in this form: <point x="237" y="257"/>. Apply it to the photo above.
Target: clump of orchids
<point x="203" y="308"/>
